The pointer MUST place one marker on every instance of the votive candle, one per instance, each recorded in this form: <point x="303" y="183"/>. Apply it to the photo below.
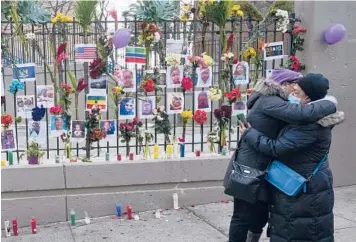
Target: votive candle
<point x="131" y="156"/>
<point x="118" y="157"/>
<point x="11" y="158"/>
<point x="156" y="151"/>
<point x="169" y="151"/>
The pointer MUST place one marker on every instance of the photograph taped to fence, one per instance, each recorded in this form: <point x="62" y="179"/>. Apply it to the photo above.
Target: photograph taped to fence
<point x="78" y="129"/>
<point x="24" y="105"/>
<point x="127" y="79"/>
<point x="240" y="73"/>
<point x="24" y="72"/>
<point x="109" y="127"/>
<point x="240" y="107"/>
<point x="127" y="109"/>
<point x="146" y="107"/>
<point x="98" y="86"/>
<point x="162" y="78"/>
<point x="175" y="102"/>
<point x="37" y="131"/>
<point x="205" y="76"/>
<point x="8" y="139"/>
<point x="45" y="96"/>
<point x="58" y="125"/>
<point x="174" y="76"/>
<point x="201" y="101"/>
<point x="99" y="101"/>
<point x="273" y="50"/>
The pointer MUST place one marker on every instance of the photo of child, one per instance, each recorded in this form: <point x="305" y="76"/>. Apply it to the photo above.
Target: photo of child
<point x="45" y="96"/>
<point x="58" y="125"/>
<point x="205" y="75"/>
<point x="78" y="129"/>
<point x="201" y="101"/>
<point x="127" y="108"/>
<point x="146" y="107"/>
<point x="108" y="126"/>
<point x="175" y="102"/>
<point x="8" y="141"/>
<point x="174" y="76"/>
<point x="240" y="106"/>
<point x="241" y="73"/>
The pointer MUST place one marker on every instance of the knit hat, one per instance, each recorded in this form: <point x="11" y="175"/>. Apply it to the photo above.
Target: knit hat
<point x="281" y="76"/>
<point x="316" y="86"/>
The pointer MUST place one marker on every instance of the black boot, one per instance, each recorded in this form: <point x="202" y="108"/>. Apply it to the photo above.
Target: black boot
<point x="253" y="237"/>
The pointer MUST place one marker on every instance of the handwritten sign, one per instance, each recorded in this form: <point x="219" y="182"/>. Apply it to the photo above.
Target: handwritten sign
<point x="273" y="50"/>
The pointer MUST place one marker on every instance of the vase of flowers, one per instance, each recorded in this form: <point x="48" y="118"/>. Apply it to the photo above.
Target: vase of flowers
<point x="212" y="139"/>
<point x="148" y="138"/>
<point x="200" y="117"/>
<point x="94" y="133"/>
<point x="128" y="131"/>
<point x="33" y="153"/>
<point x="149" y="35"/>
<point x="223" y="116"/>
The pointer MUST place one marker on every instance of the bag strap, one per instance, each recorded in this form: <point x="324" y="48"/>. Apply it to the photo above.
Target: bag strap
<point x="321" y="163"/>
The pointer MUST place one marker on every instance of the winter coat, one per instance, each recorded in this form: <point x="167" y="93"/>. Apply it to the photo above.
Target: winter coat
<point x="269" y="112"/>
<point x="307" y="216"/>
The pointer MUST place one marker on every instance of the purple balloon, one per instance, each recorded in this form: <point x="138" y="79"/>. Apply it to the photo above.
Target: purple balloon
<point x="121" y="38"/>
<point x="334" y="33"/>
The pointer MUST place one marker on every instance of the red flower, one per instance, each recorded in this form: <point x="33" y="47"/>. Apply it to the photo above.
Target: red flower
<point x="200" y="116"/>
<point x="295" y="63"/>
<point x="152" y="28"/>
<point x="6" y="120"/>
<point x="130" y="127"/>
<point x="96" y="68"/>
<point x="187" y="83"/>
<point x="135" y="120"/>
<point x="229" y="42"/>
<point x="81" y="85"/>
<point x="56" y="110"/>
<point x="61" y="53"/>
<point x="181" y="140"/>
<point x="217" y="114"/>
<point x="235" y="61"/>
<point x="122" y="126"/>
<point x="148" y="85"/>
<point x="143" y="25"/>
<point x="233" y="95"/>
<point x="226" y="111"/>
<point x="297" y="29"/>
<point x="113" y="14"/>
<point x="97" y="135"/>
<point x="66" y="87"/>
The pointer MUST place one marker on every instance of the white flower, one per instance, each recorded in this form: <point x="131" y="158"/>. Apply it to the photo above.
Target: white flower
<point x="173" y="59"/>
<point x="214" y="94"/>
<point x="157" y="37"/>
<point x="154" y="111"/>
<point x="230" y="55"/>
<point x="159" y="118"/>
<point x="223" y="58"/>
<point x="161" y="108"/>
<point x="30" y="36"/>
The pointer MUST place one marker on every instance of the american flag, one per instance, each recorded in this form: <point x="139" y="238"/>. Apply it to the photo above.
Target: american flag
<point x="85" y="52"/>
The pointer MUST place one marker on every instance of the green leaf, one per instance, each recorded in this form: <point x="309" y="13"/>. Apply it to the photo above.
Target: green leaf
<point x="31" y="12"/>
<point x="84" y="12"/>
<point x="72" y="79"/>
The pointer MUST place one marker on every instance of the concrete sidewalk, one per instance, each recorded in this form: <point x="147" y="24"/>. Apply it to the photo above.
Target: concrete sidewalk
<point x="203" y="223"/>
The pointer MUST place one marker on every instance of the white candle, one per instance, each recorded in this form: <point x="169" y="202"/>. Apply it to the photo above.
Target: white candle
<point x="175" y="201"/>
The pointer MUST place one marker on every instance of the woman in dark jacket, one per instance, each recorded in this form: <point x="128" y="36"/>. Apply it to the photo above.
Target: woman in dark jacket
<point x="308" y="216"/>
<point x="269" y="112"/>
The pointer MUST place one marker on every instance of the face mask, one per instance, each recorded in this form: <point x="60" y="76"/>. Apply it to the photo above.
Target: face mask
<point x="293" y="99"/>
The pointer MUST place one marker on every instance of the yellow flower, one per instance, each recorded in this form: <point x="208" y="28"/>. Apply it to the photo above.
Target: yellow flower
<point x="54" y="20"/>
<point x="187" y="114"/>
<point x="252" y="51"/>
<point x="186" y="7"/>
<point x="184" y="19"/>
<point x="236" y="7"/>
<point x="240" y="13"/>
<point x="207" y="59"/>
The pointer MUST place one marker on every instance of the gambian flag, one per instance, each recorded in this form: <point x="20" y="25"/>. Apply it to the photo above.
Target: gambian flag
<point x="135" y="55"/>
<point x="97" y="100"/>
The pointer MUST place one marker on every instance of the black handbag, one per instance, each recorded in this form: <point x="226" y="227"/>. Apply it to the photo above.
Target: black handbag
<point x="241" y="181"/>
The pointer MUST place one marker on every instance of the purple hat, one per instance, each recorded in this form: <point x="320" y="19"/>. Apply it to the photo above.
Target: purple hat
<point x="284" y="75"/>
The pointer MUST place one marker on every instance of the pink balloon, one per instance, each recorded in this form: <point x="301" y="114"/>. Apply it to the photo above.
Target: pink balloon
<point x="121" y="38"/>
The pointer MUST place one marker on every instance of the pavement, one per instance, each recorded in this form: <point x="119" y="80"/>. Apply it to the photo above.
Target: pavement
<point x="201" y="223"/>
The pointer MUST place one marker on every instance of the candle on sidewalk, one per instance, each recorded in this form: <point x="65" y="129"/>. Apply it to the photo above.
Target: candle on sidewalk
<point x="11" y="158"/>
<point x="169" y="151"/>
<point x="156" y="151"/>
<point x="118" y="209"/>
<point x="107" y="156"/>
<point x="33" y="226"/>
<point x="118" y="157"/>
<point x="3" y="163"/>
<point x="72" y="218"/>
<point x="197" y="153"/>
<point x="129" y="212"/>
<point x="131" y="156"/>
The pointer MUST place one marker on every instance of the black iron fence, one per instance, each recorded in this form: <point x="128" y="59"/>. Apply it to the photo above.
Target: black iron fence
<point x="15" y="52"/>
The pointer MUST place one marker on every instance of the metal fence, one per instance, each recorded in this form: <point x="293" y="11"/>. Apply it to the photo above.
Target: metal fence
<point x="191" y="35"/>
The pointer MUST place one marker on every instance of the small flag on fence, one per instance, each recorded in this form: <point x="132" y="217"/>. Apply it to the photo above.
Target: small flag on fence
<point x="135" y="55"/>
<point x="98" y="100"/>
<point x="85" y="52"/>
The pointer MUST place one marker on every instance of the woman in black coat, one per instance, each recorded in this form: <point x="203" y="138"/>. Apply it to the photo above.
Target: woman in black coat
<point x="269" y="112"/>
<point x="308" y="216"/>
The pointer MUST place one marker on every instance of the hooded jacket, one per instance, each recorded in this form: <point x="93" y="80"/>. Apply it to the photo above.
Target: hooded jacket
<point x="308" y="216"/>
<point x="268" y="113"/>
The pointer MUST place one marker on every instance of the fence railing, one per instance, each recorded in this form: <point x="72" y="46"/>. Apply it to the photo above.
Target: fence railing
<point x="191" y="35"/>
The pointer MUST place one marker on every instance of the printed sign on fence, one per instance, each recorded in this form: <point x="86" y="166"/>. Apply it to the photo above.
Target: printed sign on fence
<point x="273" y="50"/>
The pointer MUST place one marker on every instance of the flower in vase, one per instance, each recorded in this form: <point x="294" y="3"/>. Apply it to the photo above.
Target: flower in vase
<point x="187" y="83"/>
<point x="6" y="120"/>
<point x="56" y="110"/>
<point x="226" y="111"/>
<point x="148" y="85"/>
<point x="200" y="117"/>
<point x="233" y="95"/>
<point x="81" y="85"/>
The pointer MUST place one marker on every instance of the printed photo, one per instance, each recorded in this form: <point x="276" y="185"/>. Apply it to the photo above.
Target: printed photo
<point x="201" y="101"/>
<point x="24" y="72"/>
<point x="58" y="125"/>
<point x="8" y="141"/>
<point x="175" y="102"/>
<point x="240" y="73"/>
<point x="162" y="78"/>
<point x="146" y="107"/>
<point x="24" y="105"/>
<point x="205" y="76"/>
<point x="96" y="100"/>
<point x="98" y="85"/>
<point x="174" y="76"/>
<point x="37" y="131"/>
<point x="45" y="96"/>
<point x="78" y="129"/>
<point x="127" y="108"/>
<point x="127" y="78"/>
<point x="108" y="126"/>
<point x="240" y="106"/>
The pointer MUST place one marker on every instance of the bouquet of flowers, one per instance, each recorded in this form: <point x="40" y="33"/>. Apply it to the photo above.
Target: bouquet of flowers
<point x="16" y="86"/>
<point x="187" y="84"/>
<point x="233" y="95"/>
<point x="294" y="64"/>
<point x="94" y="133"/>
<point x="148" y="138"/>
<point x="214" y="94"/>
<point x="148" y="85"/>
<point x="149" y="34"/>
<point x="162" y="124"/>
<point x="56" y="110"/>
<point x="187" y="10"/>
<point x="6" y="120"/>
<point x="173" y="59"/>
<point x="203" y="61"/>
<point x="128" y="131"/>
<point x="223" y="116"/>
<point x="186" y="116"/>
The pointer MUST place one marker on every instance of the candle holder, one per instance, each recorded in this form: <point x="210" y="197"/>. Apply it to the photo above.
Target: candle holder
<point x="131" y="156"/>
<point x="169" y="152"/>
<point x="156" y="151"/>
<point x="118" y="157"/>
<point x="197" y="153"/>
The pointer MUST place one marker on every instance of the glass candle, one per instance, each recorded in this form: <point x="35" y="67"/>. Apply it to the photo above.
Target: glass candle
<point x="118" y="209"/>
<point x="107" y="156"/>
<point x="129" y="212"/>
<point x="197" y="153"/>
<point x="156" y="151"/>
<point x="72" y="218"/>
<point x="118" y="157"/>
<point x="131" y="156"/>
<point x="3" y="163"/>
<point x="169" y="151"/>
<point x="182" y="149"/>
<point x="11" y="158"/>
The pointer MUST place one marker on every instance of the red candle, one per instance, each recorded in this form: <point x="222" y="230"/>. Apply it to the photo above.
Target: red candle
<point x="197" y="153"/>
<point x="131" y="156"/>
<point x="129" y="212"/>
<point x="15" y="227"/>
<point x="118" y="157"/>
<point x="33" y="226"/>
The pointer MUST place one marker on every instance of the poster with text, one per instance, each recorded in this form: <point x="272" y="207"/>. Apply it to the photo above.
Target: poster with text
<point x="98" y="86"/>
<point x="240" y="106"/>
<point x="8" y="139"/>
<point x="273" y="50"/>
<point x="37" y="131"/>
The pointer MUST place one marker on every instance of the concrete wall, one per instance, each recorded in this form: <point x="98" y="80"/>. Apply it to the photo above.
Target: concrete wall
<point x="50" y="192"/>
<point x="338" y="63"/>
